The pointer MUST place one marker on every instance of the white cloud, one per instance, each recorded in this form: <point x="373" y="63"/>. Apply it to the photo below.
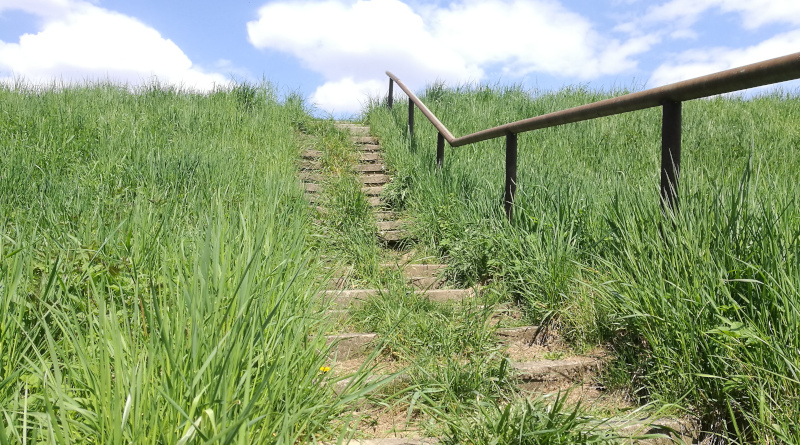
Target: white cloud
<point x="346" y="95"/>
<point x="694" y="63"/>
<point x="359" y="39"/>
<point x="681" y="15"/>
<point x="85" y="42"/>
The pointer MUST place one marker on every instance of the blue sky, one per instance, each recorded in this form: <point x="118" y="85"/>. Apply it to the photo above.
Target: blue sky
<point x="335" y="51"/>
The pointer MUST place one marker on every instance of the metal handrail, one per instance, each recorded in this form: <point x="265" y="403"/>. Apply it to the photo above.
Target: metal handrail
<point x="669" y="97"/>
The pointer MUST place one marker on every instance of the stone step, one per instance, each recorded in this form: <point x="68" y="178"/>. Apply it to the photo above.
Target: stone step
<point x="522" y="334"/>
<point x="369" y="157"/>
<point x="372" y="191"/>
<point x="372" y="140"/>
<point x="354" y="129"/>
<point x="311" y="177"/>
<point x="385" y="215"/>
<point x="369" y="168"/>
<point x="375" y="201"/>
<point x="417" y="270"/>
<point x="369" y="147"/>
<point x="310" y="165"/>
<point x="345" y="298"/>
<point x="374" y="179"/>
<point x="314" y="198"/>
<point x="346" y="346"/>
<point x="384" y="226"/>
<point x="311" y="187"/>
<point x="311" y="154"/>
<point x="392" y="235"/>
<point x="675" y="430"/>
<point x="534" y="374"/>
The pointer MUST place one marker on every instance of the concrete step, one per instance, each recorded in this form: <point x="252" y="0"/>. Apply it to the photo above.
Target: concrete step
<point x="374" y="179"/>
<point x="314" y="198"/>
<point x="311" y="154"/>
<point x="384" y="226"/>
<point x="573" y="370"/>
<point x="372" y="191"/>
<point x="392" y="235"/>
<point x="375" y="201"/>
<point x="420" y="276"/>
<point x="354" y="129"/>
<point x="522" y="335"/>
<point x="310" y="165"/>
<point x="345" y="298"/>
<point x="311" y="177"/>
<point x="369" y="168"/>
<point x="369" y="157"/>
<point x="346" y="346"/>
<point x="311" y="187"/>
<point x="385" y="215"/>
<point x="372" y="140"/>
<point x="686" y="430"/>
<point x="369" y="147"/>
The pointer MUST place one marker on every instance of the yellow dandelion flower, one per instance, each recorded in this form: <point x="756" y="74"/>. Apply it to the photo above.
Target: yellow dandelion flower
<point x="325" y="368"/>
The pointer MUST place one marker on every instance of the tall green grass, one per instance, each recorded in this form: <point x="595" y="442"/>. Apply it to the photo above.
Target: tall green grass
<point x="155" y="275"/>
<point x="700" y="309"/>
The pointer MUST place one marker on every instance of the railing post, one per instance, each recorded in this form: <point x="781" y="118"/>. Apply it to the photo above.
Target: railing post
<point x="440" y="150"/>
<point x="410" y="118"/>
<point x="390" y="99"/>
<point x="670" y="154"/>
<point x="511" y="173"/>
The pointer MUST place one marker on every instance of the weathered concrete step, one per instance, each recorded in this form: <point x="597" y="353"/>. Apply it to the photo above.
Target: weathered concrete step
<point x="311" y="187"/>
<point x="532" y="374"/>
<point x="385" y="215"/>
<point x="389" y="225"/>
<point x="513" y="335"/>
<point x="345" y="298"/>
<point x="372" y="140"/>
<point x="369" y="157"/>
<point x="311" y="177"/>
<point x="369" y="147"/>
<point x="375" y="201"/>
<point x="314" y="198"/>
<point x="686" y="430"/>
<point x="355" y="129"/>
<point x="369" y="168"/>
<point x="311" y="154"/>
<point x="420" y="276"/>
<point x="374" y="179"/>
<point x="392" y="235"/>
<point x="310" y="165"/>
<point x="372" y="191"/>
<point x="345" y="346"/>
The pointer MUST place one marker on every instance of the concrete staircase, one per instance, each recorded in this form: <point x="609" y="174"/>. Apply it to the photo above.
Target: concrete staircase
<point x="535" y="368"/>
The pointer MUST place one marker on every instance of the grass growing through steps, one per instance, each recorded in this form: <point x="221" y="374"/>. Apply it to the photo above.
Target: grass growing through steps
<point x="154" y="270"/>
<point x="701" y="310"/>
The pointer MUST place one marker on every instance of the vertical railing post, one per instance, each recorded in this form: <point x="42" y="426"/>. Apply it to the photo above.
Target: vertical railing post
<point x="390" y="98"/>
<point x="511" y="173"/>
<point x="440" y="150"/>
<point x="670" y="154"/>
<point x="410" y="118"/>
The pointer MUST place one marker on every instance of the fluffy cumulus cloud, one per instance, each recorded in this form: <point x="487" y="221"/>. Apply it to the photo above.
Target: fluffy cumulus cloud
<point x="79" y="41"/>
<point x="352" y="42"/>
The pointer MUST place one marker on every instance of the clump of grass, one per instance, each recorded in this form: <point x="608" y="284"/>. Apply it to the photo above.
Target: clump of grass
<point x="698" y="308"/>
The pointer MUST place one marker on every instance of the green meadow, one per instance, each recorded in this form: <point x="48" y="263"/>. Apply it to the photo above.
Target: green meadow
<point x="699" y="311"/>
<point x="155" y="277"/>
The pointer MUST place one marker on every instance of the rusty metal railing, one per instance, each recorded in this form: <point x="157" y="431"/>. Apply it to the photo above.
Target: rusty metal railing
<point x="669" y="97"/>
